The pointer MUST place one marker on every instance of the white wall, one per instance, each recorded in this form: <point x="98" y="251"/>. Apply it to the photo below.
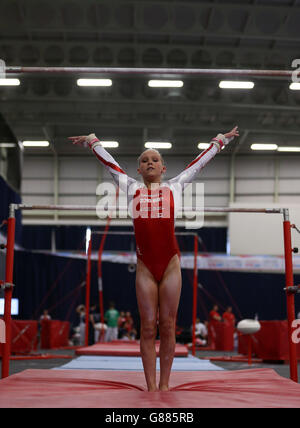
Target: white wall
<point x="73" y="180"/>
<point x="261" y="234"/>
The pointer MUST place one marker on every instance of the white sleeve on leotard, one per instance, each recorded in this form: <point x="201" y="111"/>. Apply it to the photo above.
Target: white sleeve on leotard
<point x="193" y="169"/>
<point x="120" y="177"/>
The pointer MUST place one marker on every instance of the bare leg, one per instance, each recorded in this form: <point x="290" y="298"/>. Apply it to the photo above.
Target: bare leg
<point x="169" y="295"/>
<point x="147" y="298"/>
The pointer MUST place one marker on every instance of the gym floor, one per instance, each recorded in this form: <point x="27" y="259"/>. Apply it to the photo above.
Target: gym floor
<point x="17" y="366"/>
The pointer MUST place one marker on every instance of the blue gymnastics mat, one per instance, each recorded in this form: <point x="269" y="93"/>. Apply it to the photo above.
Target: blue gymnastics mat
<point x="189" y="363"/>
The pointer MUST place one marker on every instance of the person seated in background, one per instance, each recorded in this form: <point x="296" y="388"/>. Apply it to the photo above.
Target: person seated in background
<point x="130" y="335"/>
<point x="99" y="329"/>
<point x="228" y="316"/>
<point x="201" y="331"/>
<point x="111" y="317"/>
<point x="214" y="314"/>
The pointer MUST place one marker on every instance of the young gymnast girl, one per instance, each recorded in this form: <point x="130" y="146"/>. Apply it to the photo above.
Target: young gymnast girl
<point x="158" y="275"/>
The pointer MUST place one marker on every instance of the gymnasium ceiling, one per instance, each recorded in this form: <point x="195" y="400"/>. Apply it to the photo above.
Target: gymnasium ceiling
<point x="256" y="34"/>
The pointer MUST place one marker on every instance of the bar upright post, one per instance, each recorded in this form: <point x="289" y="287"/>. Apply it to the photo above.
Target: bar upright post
<point x="195" y="288"/>
<point x="289" y="278"/>
<point x="88" y="292"/>
<point x="11" y="225"/>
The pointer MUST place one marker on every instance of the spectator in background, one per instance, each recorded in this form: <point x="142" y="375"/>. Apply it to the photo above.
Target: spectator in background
<point x="45" y="316"/>
<point x="201" y="330"/>
<point x="201" y="333"/>
<point x="214" y="314"/>
<point x="228" y="316"/>
<point x="121" y="325"/>
<point x="81" y="313"/>
<point x="128" y="322"/>
<point x="111" y="317"/>
<point x="214" y="319"/>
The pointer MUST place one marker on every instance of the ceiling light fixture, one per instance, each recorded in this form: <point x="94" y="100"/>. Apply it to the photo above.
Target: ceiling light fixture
<point x="288" y="149"/>
<point x="226" y="84"/>
<point x="110" y="144"/>
<point x="94" y="82"/>
<point x="7" y="145"/>
<point x="295" y="86"/>
<point x="10" y="82"/>
<point x="35" y="143"/>
<point x="158" y="145"/>
<point x="264" y="147"/>
<point x="203" y="146"/>
<point x="165" y="83"/>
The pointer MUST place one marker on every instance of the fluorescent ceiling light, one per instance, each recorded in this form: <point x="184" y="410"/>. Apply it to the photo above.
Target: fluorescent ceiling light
<point x="264" y="147"/>
<point x="226" y="84"/>
<point x="288" y="149"/>
<point x="9" y="82"/>
<point x="94" y="82"/>
<point x="7" y="145"/>
<point x="158" y="145"/>
<point x="203" y="146"/>
<point x="109" y="143"/>
<point x="165" y="83"/>
<point x="35" y="143"/>
<point x="295" y="86"/>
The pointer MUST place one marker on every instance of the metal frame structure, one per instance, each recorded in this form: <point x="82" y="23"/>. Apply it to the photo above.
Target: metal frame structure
<point x="289" y="277"/>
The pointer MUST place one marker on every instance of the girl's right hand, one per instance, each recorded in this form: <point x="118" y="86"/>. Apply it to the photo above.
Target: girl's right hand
<point x="82" y="140"/>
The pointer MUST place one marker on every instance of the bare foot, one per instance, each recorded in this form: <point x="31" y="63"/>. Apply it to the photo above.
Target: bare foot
<point x="152" y="389"/>
<point x="164" y="388"/>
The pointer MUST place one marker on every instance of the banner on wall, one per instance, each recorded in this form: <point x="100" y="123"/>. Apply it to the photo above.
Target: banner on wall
<point x="221" y="262"/>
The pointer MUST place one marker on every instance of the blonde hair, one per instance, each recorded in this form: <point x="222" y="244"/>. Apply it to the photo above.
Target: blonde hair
<point x="153" y="150"/>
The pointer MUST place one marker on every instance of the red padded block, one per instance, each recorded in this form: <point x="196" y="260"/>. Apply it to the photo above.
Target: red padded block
<point x="24" y="336"/>
<point x="270" y="343"/>
<point x="221" y="336"/>
<point x="121" y="348"/>
<point x="111" y="389"/>
<point x="54" y="334"/>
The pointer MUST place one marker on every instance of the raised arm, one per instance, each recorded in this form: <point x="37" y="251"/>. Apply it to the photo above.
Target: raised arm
<point x="193" y="169"/>
<point x="117" y="173"/>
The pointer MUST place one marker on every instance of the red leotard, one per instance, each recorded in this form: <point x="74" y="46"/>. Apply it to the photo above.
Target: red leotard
<point x="154" y="211"/>
<point x="156" y="243"/>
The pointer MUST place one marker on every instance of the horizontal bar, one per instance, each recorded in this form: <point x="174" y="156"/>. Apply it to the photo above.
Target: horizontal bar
<point x="56" y="207"/>
<point x="103" y="232"/>
<point x="167" y="71"/>
<point x="93" y="208"/>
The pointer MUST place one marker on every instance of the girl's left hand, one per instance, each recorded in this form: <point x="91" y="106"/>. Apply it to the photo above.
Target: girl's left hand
<point x="233" y="133"/>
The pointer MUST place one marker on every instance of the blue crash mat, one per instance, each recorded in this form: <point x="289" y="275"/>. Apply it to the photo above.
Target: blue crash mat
<point x="189" y="363"/>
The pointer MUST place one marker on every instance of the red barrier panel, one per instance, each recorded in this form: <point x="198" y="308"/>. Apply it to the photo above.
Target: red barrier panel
<point x="24" y="337"/>
<point x="270" y="343"/>
<point x="54" y="334"/>
<point x="221" y="336"/>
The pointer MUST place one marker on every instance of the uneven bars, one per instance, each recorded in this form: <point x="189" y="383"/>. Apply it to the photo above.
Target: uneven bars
<point x="143" y="70"/>
<point x="93" y="208"/>
<point x="288" y="251"/>
<point x="99" y="232"/>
